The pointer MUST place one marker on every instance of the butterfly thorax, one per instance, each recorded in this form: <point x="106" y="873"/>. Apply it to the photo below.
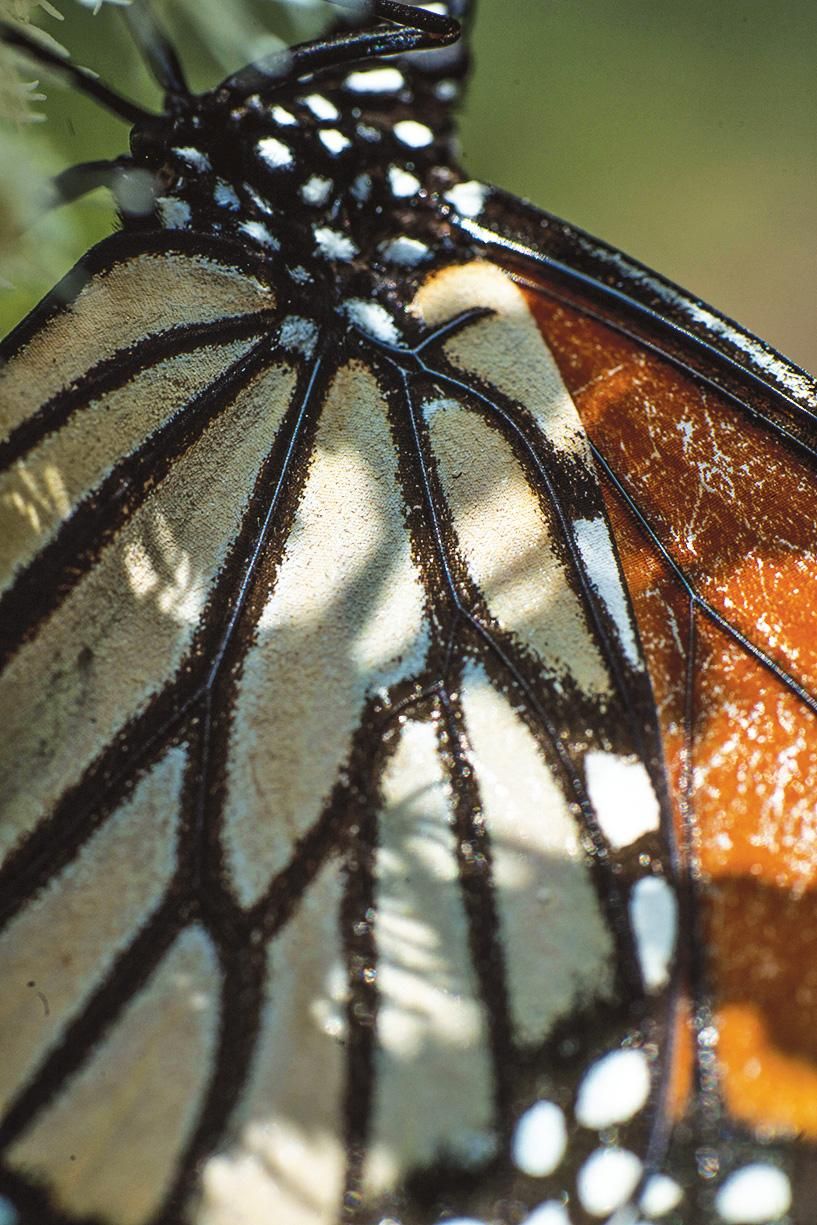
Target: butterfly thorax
<point x="330" y="176"/>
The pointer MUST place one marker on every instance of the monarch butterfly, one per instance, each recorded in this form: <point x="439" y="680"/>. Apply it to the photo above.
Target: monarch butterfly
<point x="410" y="694"/>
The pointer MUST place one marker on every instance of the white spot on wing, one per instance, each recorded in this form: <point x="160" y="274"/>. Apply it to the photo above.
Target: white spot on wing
<point x="299" y="334"/>
<point x="465" y="1220"/>
<point x="321" y="107"/>
<point x="258" y="200"/>
<point x="623" y="797"/>
<point x="402" y="183"/>
<point x="224" y="195"/>
<point x="366" y="132"/>
<point x="607" y="1180"/>
<point x="259" y="233"/>
<point x="755" y="1195"/>
<point x="613" y="1090"/>
<point x="193" y="157"/>
<point x="540" y="1140"/>
<point x="415" y="135"/>
<point x="654" y="918"/>
<point x="446" y="91"/>
<point x="333" y="244"/>
<point x="283" y="117"/>
<point x="551" y="1213"/>
<point x="174" y="214"/>
<point x="596" y="549"/>
<point x="467" y="198"/>
<point x="375" y="81"/>
<point x="373" y="319"/>
<point x="406" y="252"/>
<point x="660" y="1196"/>
<point x="333" y="140"/>
<point x="274" y="152"/>
<point x="361" y="188"/>
<point x="316" y="190"/>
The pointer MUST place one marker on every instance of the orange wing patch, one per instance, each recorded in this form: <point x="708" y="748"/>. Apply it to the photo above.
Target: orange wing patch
<point x="738" y="719"/>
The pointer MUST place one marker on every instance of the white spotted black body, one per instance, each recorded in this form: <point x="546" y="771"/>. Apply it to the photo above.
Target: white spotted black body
<point x="331" y="177"/>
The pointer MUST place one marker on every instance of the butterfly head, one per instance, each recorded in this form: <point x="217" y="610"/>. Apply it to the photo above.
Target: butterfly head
<point x="331" y="171"/>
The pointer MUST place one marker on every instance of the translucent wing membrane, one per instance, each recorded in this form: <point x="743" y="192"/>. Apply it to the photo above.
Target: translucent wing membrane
<point x="409" y="813"/>
<point x="280" y="658"/>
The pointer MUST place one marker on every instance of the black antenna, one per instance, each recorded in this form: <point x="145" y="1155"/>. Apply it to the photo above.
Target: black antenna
<point x="157" y="51"/>
<point x="417" y="30"/>
<point x="411" y="29"/>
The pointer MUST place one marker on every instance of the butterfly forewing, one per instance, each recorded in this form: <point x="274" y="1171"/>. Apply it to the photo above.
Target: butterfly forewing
<point x="312" y="680"/>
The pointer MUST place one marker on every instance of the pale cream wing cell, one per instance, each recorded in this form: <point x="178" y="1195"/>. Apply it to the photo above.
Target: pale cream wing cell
<point x="549" y="911"/>
<point x="123" y="631"/>
<point x="137" y="299"/>
<point x="345" y="620"/>
<point x="44" y="488"/>
<point x="534" y="561"/>
<point x="509" y="544"/>
<point x="109" y="1144"/>
<point x="284" y="1158"/>
<point x="59" y="948"/>
<point x="504" y="349"/>
<point x="527" y="519"/>
<point x="432" y="1025"/>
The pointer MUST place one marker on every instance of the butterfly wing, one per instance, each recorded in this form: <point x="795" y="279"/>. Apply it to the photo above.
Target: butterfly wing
<point x="137" y="448"/>
<point x="328" y="710"/>
<point x="704" y="440"/>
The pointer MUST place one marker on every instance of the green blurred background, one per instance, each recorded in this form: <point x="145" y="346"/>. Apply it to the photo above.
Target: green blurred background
<point x="683" y="132"/>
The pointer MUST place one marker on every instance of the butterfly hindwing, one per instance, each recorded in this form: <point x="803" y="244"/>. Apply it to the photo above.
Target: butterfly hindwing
<point x="705" y="444"/>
